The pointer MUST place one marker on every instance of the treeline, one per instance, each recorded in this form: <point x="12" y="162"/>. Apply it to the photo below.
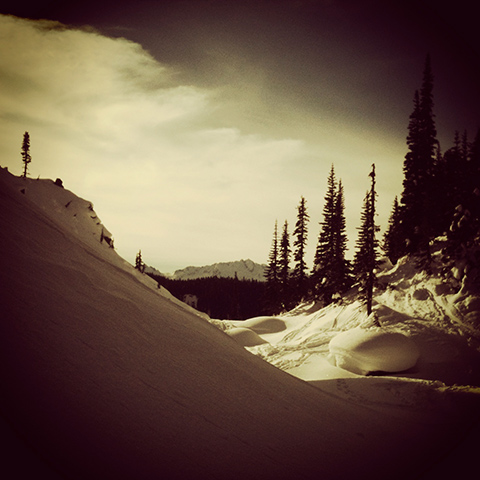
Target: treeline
<point x="219" y="297"/>
<point x="441" y="197"/>
<point x="441" y="191"/>
<point x="332" y="273"/>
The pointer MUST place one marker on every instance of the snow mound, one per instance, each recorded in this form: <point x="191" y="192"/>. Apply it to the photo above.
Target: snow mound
<point x="363" y="351"/>
<point x="264" y="325"/>
<point x="245" y="337"/>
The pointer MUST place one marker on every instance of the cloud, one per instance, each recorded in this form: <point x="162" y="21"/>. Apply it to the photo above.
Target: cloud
<point x="118" y="128"/>
<point x="189" y="174"/>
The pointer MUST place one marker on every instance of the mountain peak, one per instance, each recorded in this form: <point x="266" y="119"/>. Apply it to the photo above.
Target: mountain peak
<point x="243" y="269"/>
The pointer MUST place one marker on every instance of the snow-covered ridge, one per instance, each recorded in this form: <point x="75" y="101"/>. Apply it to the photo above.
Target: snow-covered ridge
<point x="77" y="218"/>
<point x="243" y="269"/>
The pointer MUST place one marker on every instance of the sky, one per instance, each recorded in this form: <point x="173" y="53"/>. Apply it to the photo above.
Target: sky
<point x="194" y="125"/>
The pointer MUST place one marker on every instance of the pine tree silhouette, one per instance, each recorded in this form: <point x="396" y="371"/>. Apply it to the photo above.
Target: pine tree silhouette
<point x="139" y="265"/>
<point x="300" y="269"/>
<point x="26" y="158"/>
<point x="419" y="168"/>
<point x="393" y="242"/>
<point x="284" y="269"/>
<point x="365" y="259"/>
<point x="331" y="271"/>
<point x="272" y="275"/>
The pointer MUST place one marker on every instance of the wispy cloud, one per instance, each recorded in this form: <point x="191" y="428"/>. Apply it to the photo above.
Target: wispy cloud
<point x="119" y="129"/>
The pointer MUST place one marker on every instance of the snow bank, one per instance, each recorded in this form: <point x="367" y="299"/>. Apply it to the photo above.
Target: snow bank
<point x="363" y="351"/>
<point x="264" y="325"/>
<point x="245" y="337"/>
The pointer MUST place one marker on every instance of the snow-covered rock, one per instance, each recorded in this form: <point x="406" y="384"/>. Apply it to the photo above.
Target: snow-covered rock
<point x="363" y="351"/>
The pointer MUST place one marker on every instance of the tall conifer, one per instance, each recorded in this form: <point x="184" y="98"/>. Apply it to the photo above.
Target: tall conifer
<point x="301" y="233"/>
<point x="284" y="268"/>
<point x="474" y="164"/>
<point x="418" y="186"/>
<point x="393" y="243"/>
<point x="331" y="271"/>
<point x="366" y="254"/>
<point x="342" y="277"/>
<point x="323" y="263"/>
<point x="272" y="275"/>
<point x="139" y="265"/>
<point x="26" y="158"/>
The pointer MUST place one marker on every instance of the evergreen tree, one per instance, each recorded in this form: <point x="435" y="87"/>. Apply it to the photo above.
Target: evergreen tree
<point x="300" y="243"/>
<point x="454" y="179"/>
<point x="366" y="255"/>
<point x="419" y="190"/>
<point x="272" y="275"/>
<point x="323" y="262"/>
<point x="26" y="158"/>
<point x="393" y="240"/>
<point x="139" y="265"/>
<point x="284" y="268"/>
<point x="331" y="271"/>
<point x="474" y="164"/>
<point x="464" y="228"/>
<point x="343" y="268"/>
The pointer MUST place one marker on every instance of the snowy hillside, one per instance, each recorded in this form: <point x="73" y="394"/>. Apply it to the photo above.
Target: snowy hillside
<point x="104" y="375"/>
<point x="243" y="269"/>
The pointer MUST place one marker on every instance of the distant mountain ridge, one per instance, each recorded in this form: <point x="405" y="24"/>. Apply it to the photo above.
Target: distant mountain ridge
<point x="244" y="269"/>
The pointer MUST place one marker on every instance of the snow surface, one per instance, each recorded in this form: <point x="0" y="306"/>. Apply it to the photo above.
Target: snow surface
<point x="105" y="375"/>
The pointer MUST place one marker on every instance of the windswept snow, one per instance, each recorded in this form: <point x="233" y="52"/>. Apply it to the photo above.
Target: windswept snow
<point x="105" y="375"/>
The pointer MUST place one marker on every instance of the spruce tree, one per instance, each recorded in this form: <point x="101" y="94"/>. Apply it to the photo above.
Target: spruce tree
<point x="474" y="164"/>
<point x="272" y="275"/>
<point x="323" y="263"/>
<point x="366" y="255"/>
<point x="392" y="240"/>
<point x="26" y="158"/>
<point x="331" y="271"/>
<point x="343" y="268"/>
<point x="419" y="189"/>
<point x="455" y="179"/>
<point x="464" y="227"/>
<point x="139" y="265"/>
<point x="300" y="243"/>
<point x="284" y="268"/>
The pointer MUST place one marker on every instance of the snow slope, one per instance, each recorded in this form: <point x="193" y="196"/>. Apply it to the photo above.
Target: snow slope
<point x="105" y="376"/>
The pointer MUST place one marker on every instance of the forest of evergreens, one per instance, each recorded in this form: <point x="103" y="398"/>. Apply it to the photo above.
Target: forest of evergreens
<point x="441" y="197"/>
<point x="219" y="297"/>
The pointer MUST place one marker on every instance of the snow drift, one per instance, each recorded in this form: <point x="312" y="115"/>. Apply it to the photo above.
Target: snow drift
<point x="104" y="375"/>
<point x="364" y="351"/>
